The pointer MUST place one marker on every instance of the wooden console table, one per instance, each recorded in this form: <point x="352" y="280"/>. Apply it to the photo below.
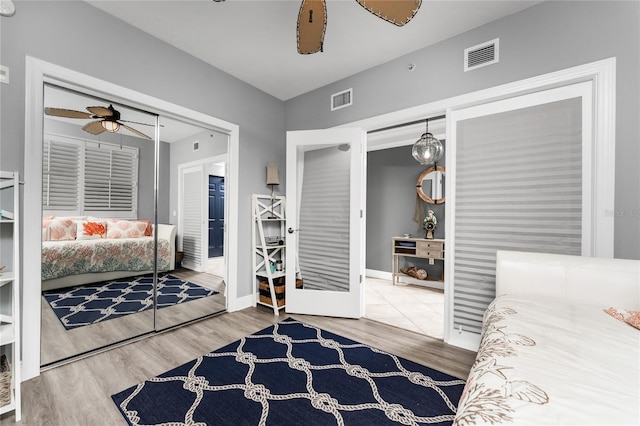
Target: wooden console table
<point x="415" y="247"/>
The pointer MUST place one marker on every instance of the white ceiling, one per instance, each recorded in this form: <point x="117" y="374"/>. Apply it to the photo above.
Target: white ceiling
<point x="255" y="40"/>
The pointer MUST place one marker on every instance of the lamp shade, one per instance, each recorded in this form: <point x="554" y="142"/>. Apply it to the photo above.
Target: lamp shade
<point x="427" y="150"/>
<point x="272" y="174"/>
<point x="110" y="126"/>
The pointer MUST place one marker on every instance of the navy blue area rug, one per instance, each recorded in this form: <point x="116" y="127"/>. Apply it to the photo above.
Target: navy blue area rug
<point x="93" y="303"/>
<point x="294" y="374"/>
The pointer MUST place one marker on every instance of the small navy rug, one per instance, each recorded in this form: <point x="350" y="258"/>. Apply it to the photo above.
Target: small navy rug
<point x="294" y="374"/>
<point x="93" y="303"/>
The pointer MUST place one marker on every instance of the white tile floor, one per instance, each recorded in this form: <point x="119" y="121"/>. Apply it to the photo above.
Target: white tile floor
<point x="412" y="307"/>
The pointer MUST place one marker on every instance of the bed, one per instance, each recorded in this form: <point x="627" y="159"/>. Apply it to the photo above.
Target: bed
<point x="549" y="352"/>
<point x="76" y="262"/>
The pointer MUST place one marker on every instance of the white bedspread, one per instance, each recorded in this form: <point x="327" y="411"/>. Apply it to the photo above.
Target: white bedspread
<point x="542" y="361"/>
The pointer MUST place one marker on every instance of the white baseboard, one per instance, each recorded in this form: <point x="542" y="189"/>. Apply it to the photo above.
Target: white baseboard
<point x="384" y="275"/>
<point x="464" y="340"/>
<point x="240" y="303"/>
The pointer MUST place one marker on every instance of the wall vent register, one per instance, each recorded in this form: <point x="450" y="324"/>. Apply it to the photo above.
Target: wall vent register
<point x="342" y="99"/>
<point x="481" y="55"/>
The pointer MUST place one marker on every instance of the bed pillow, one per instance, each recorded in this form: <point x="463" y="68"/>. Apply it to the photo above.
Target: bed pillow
<point x="61" y="229"/>
<point x="46" y="221"/>
<point x="126" y="229"/>
<point x="625" y="315"/>
<point x="91" y="229"/>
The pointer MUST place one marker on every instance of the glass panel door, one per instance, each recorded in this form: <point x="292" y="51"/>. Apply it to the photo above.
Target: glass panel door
<point x="325" y="224"/>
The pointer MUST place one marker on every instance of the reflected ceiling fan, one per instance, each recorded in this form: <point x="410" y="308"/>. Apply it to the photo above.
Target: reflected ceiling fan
<point x="107" y="119"/>
<point x="312" y="19"/>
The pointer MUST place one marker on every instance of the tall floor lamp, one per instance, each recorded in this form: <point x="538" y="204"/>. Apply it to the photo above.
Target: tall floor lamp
<point x="272" y="180"/>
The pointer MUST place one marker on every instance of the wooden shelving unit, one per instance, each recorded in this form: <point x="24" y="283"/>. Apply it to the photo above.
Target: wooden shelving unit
<point x="416" y="248"/>
<point x="268" y="237"/>
<point x="10" y="338"/>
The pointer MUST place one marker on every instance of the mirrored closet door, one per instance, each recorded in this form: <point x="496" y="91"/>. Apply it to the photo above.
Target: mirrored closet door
<point x="112" y="269"/>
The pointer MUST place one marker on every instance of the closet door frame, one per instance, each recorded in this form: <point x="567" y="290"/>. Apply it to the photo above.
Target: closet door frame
<point x="599" y="178"/>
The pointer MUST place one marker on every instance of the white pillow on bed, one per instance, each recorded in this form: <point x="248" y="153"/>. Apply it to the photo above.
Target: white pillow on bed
<point x="91" y="229"/>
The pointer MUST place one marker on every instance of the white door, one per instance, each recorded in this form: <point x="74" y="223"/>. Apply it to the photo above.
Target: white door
<point x="325" y="222"/>
<point x="192" y="240"/>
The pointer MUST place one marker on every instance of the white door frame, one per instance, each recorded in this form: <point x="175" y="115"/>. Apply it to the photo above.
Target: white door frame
<point x="603" y="75"/>
<point x="203" y="162"/>
<point x="349" y="303"/>
<point x="37" y="73"/>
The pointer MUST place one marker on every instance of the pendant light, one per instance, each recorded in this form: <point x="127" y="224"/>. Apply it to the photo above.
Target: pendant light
<point x="427" y="150"/>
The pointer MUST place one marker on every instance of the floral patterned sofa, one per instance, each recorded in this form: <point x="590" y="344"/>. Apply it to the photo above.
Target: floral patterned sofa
<point x="79" y="249"/>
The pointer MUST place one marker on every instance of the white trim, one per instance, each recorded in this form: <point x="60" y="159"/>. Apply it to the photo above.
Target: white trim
<point x="382" y="275"/>
<point x="242" y="302"/>
<point x="602" y="73"/>
<point x="36" y="73"/>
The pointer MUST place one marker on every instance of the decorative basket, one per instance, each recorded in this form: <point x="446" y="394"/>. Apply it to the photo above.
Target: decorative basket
<point x="5" y="381"/>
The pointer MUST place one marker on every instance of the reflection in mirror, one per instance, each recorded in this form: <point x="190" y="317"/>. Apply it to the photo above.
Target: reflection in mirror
<point x="101" y="221"/>
<point x="323" y="242"/>
<point x="430" y="185"/>
<point x="97" y="224"/>
<point x="191" y="197"/>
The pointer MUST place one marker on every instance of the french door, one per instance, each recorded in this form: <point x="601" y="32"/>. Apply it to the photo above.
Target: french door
<point x="325" y="222"/>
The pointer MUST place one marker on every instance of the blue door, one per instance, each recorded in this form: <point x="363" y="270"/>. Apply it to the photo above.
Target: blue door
<point x="216" y="216"/>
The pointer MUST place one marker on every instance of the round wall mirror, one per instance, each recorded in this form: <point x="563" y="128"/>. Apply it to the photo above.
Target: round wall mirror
<point x="430" y="185"/>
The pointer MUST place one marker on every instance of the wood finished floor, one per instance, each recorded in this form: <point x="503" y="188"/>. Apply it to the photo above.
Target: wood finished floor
<point x="59" y="343"/>
<point x="79" y="393"/>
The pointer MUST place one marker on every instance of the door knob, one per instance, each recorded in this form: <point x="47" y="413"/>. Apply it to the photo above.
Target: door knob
<point x="291" y="230"/>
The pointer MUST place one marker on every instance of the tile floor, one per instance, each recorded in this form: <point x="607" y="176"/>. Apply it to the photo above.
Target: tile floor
<point x="412" y="307"/>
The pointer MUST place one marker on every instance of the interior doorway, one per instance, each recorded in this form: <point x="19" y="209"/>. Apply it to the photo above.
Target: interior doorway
<point x="392" y="205"/>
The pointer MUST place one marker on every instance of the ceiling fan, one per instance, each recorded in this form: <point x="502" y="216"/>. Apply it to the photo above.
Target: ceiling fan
<point x="107" y="119"/>
<point x="312" y="19"/>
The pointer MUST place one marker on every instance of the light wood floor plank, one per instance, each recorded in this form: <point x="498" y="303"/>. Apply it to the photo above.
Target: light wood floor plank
<point x="80" y="393"/>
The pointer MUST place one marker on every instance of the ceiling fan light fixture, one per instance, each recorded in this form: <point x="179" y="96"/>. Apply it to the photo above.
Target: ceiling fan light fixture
<point x="110" y="126"/>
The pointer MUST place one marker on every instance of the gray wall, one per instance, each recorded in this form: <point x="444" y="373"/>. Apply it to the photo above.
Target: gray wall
<point x="391" y="200"/>
<point x="72" y="34"/>
<point x="547" y="37"/>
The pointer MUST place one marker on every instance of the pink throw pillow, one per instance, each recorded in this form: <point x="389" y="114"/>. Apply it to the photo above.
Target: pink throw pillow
<point x="126" y="229"/>
<point x="62" y="229"/>
<point x="625" y="315"/>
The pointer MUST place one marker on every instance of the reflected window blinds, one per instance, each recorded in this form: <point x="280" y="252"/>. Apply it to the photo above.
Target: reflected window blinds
<point x="84" y="177"/>
<point x="518" y="187"/>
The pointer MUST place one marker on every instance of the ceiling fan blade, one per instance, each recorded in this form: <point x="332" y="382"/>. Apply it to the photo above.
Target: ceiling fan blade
<point x="68" y="113"/>
<point x="137" y="132"/>
<point x="95" y="127"/>
<point x="398" y="12"/>
<point x="312" y="22"/>
<point x="100" y="111"/>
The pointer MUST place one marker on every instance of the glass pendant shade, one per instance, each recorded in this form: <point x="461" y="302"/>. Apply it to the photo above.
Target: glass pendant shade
<point x="427" y="150"/>
<point x="110" y="126"/>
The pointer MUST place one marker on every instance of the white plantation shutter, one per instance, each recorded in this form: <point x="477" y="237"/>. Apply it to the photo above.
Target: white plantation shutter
<point x="84" y="177"/>
<point x="60" y="175"/>
<point x="110" y="179"/>
<point x="192" y="216"/>
<point x="518" y="186"/>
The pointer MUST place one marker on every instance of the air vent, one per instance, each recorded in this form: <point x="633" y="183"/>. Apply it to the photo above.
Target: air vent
<point x="342" y="99"/>
<point x="196" y="145"/>
<point x="481" y="55"/>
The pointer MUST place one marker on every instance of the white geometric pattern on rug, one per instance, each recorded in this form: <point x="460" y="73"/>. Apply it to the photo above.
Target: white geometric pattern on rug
<point x="92" y="303"/>
<point x="199" y="385"/>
